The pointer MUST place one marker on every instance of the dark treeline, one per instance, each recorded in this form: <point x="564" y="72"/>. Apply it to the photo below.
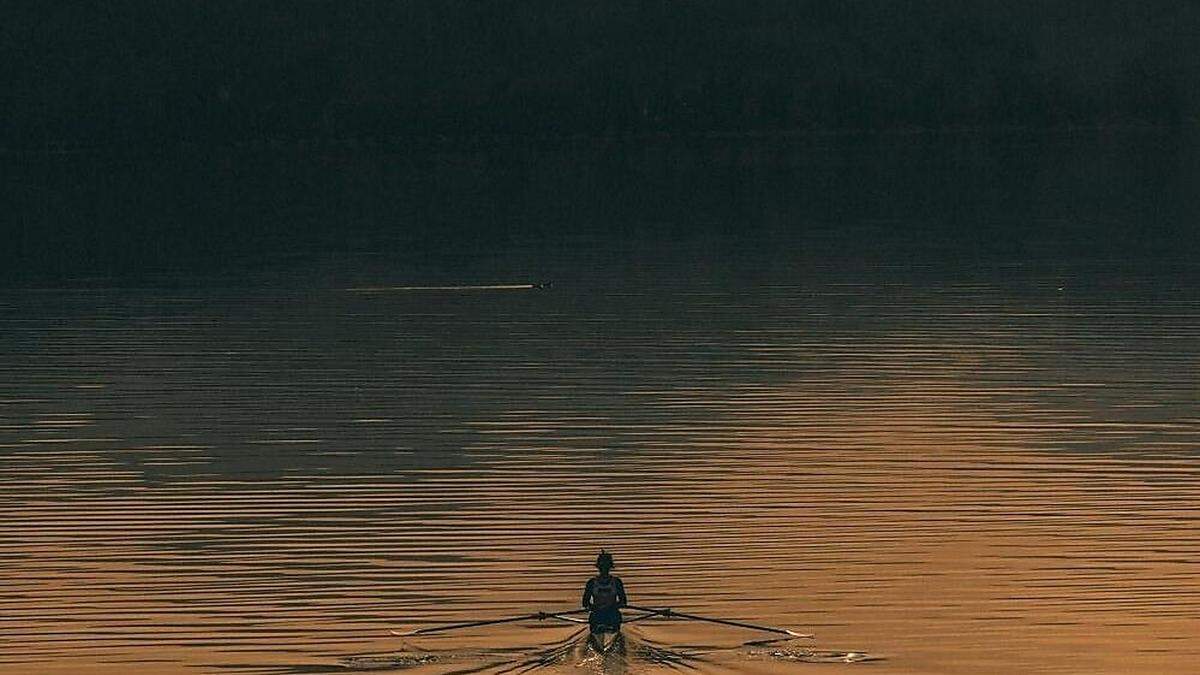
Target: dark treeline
<point x="229" y="70"/>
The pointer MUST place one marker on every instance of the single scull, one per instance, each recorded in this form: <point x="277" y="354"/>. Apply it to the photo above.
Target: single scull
<point x="604" y="633"/>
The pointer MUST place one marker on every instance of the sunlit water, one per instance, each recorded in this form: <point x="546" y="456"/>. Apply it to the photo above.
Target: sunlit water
<point x="931" y="400"/>
<point x="952" y="471"/>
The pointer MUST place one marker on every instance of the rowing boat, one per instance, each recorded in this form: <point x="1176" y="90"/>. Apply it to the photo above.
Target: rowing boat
<point x="610" y="648"/>
<point x="604" y="635"/>
<point x="604" y="638"/>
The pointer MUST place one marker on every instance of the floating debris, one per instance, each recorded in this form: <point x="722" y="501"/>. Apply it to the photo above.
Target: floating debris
<point x="816" y="656"/>
<point x="393" y="662"/>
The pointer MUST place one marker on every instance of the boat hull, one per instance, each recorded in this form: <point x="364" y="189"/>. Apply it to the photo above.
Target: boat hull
<point x="604" y="639"/>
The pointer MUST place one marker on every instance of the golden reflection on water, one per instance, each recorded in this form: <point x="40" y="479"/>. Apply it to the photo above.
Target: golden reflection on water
<point x="963" y="480"/>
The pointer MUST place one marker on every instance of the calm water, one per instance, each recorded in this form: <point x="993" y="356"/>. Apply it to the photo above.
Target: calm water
<point x="956" y="466"/>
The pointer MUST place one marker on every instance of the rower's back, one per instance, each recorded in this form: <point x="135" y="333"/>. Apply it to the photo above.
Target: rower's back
<point x="604" y="595"/>
<point x="605" y="591"/>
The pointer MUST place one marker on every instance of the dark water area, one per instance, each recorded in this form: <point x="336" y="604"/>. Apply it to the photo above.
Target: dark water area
<point x="931" y="401"/>
<point x="186" y="214"/>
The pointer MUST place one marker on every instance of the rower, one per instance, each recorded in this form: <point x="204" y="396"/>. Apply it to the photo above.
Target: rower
<point x="604" y="595"/>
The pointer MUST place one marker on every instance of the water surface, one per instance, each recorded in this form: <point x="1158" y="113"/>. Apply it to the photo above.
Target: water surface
<point x="955" y="464"/>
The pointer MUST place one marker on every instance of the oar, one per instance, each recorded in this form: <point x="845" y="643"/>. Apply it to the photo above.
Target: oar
<point x="489" y="622"/>
<point x="568" y="619"/>
<point x="668" y="612"/>
<point x="648" y="615"/>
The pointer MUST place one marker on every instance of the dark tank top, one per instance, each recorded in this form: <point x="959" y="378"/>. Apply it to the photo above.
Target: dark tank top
<point x="604" y="593"/>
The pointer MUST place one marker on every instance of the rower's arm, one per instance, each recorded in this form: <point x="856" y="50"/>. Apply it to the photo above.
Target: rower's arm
<point x="587" y="595"/>
<point x="621" y="599"/>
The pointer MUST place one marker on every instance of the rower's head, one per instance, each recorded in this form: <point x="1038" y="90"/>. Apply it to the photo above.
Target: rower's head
<point x="604" y="562"/>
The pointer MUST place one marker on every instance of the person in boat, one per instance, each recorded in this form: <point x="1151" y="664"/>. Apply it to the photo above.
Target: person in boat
<point x="604" y="595"/>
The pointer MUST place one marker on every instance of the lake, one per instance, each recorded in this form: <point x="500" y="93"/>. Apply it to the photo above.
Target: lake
<point x="933" y="401"/>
